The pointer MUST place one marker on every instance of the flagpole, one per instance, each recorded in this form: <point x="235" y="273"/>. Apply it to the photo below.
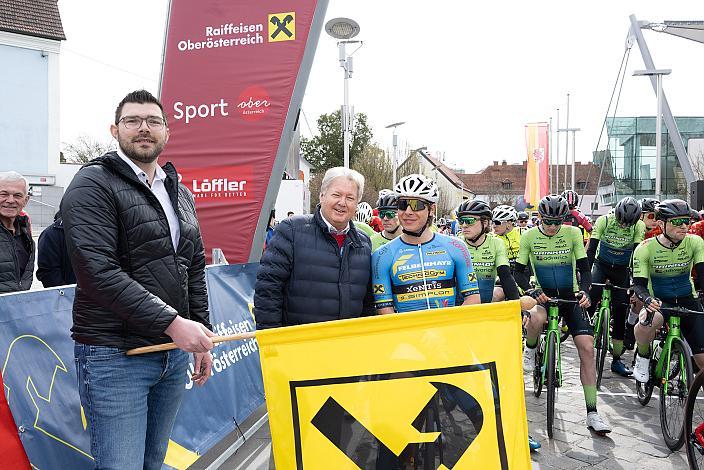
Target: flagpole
<point x="557" y="154"/>
<point x="549" y="155"/>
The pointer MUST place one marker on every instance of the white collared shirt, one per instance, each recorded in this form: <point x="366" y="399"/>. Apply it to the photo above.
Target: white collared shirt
<point x="159" y="189"/>
<point x="331" y="228"/>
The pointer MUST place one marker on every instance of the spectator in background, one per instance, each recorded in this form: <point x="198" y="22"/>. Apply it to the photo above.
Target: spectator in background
<point x="290" y="214"/>
<point x="53" y="264"/>
<point x="16" y="243"/>
<point x="270" y="228"/>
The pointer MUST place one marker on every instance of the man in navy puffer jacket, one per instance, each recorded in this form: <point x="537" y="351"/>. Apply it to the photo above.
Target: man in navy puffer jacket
<point x="317" y="267"/>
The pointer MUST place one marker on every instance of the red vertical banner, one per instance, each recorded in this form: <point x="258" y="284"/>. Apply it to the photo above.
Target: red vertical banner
<point x="230" y="70"/>
<point x="538" y="161"/>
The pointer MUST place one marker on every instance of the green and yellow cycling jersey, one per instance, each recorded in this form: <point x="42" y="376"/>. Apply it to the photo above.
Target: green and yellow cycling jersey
<point x="379" y="240"/>
<point x="668" y="270"/>
<point x="485" y="259"/>
<point x="362" y="227"/>
<point x="512" y="240"/>
<point x="615" y="242"/>
<point x="553" y="258"/>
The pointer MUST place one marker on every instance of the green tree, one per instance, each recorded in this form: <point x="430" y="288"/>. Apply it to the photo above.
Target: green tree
<point x="326" y="149"/>
<point x="374" y="165"/>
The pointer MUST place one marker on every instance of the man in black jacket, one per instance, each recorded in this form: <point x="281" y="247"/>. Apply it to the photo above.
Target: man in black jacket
<point x="317" y="267"/>
<point x="16" y="243"/>
<point x="135" y="245"/>
<point x="53" y="265"/>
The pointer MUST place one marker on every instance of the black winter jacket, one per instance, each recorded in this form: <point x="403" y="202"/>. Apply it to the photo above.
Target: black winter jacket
<point x="10" y="280"/>
<point x="303" y="278"/>
<point x="130" y="283"/>
<point x="53" y="264"/>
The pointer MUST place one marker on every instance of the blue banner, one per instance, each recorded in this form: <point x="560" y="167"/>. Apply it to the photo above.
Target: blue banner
<point x="40" y="376"/>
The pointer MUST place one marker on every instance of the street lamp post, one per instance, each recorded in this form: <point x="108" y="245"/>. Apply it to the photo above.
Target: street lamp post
<point x="344" y="29"/>
<point x="658" y="124"/>
<point x="394" y="160"/>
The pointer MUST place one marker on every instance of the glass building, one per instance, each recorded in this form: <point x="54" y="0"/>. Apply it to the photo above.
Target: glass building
<point x="631" y="156"/>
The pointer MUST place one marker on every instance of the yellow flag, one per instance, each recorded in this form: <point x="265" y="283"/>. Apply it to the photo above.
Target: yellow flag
<point x="442" y="385"/>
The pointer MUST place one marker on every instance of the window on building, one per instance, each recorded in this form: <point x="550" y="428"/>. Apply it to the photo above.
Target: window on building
<point x="595" y="206"/>
<point x="581" y="185"/>
<point x="506" y="185"/>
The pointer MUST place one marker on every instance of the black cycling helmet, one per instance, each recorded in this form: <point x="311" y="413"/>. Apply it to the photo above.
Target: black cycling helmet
<point x="571" y="197"/>
<point x="627" y="211"/>
<point x="647" y="204"/>
<point x="388" y="201"/>
<point x="671" y="208"/>
<point x="523" y="215"/>
<point x="476" y="208"/>
<point x="553" y="207"/>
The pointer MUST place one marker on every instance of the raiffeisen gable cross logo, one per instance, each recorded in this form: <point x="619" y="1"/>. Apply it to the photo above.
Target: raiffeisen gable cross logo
<point x="282" y="27"/>
<point x="450" y="417"/>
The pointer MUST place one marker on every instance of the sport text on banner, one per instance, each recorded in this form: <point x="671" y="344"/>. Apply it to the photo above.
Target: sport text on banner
<point x="369" y="392"/>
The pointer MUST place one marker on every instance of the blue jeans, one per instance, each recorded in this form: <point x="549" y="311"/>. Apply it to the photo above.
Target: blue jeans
<point x="130" y="404"/>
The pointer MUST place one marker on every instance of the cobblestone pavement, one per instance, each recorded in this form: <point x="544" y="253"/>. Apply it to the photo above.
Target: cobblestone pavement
<point x="636" y="441"/>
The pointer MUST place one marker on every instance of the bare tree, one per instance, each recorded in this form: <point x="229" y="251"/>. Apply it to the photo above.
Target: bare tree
<point x="85" y="149"/>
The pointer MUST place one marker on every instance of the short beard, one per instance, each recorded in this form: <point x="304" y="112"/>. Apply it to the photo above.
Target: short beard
<point x="148" y="158"/>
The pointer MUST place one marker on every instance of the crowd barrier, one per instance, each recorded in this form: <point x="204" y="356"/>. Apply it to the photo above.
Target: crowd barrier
<point x="39" y="374"/>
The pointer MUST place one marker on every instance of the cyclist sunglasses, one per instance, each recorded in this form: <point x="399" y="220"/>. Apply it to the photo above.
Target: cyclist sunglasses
<point x="468" y="220"/>
<point x="679" y="221"/>
<point x="387" y="214"/>
<point x="552" y="221"/>
<point x="498" y="222"/>
<point x="649" y="215"/>
<point x="415" y="204"/>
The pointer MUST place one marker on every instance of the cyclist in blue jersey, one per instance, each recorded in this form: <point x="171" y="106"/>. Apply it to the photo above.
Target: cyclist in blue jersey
<point x="421" y="269"/>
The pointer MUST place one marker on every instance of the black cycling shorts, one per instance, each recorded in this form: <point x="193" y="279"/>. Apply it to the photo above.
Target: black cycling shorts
<point x="572" y="314"/>
<point x="692" y="326"/>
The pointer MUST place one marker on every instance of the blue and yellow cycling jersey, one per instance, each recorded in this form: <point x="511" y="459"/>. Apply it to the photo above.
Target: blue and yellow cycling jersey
<point x="418" y="277"/>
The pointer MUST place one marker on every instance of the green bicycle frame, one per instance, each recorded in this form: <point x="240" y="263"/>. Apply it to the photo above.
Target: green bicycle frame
<point x="673" y="331"/>
<point x="553" y="329"/>
<point x="602" y="319"/>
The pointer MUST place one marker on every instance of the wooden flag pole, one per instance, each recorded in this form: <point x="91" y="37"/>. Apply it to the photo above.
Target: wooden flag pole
<point x="170" y="346"/>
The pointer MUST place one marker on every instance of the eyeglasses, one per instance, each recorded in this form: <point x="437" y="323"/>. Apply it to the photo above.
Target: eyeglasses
<point x="552" y="221"/>
<point x="498" y="222"/>
<point x="387" y="214"/>
<point x="468" y="220"/>
<point x="649" y="215"/>
<point x="135" y="122"/>
<point x="415" y="204"/>
<point x="679" y="221"/>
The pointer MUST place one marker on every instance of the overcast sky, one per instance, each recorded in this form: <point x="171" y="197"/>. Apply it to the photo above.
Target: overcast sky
<point x="465" y="76"/>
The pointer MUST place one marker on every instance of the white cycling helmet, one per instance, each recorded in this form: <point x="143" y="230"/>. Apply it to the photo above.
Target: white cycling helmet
<point x="384" y="192"/>
<point x="364" y="213"/>
<point x="505" y="214"/>
<point x="417" y="186"/>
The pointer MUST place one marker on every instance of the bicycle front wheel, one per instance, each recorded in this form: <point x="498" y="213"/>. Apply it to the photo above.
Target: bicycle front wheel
<point x="694" y="424"/>
<point x="673" y="394"/>
<point x="601" y="343"/>
<point x="551" y="378"/>
<point x="538" y="369"/>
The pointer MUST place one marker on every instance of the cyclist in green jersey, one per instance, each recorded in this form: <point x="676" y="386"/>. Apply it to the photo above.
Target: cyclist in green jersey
<point x="488" y="252"/>
<point x="504" y="228"/>
<point x="662" y="269"/>
<point x="488" y="257"/>
<point x="611" y="245"/>
<point x="362" y="218"/>
<point x="387" y="205"/>
<point x="523" y="220"/>
<point x="556" y="253"/>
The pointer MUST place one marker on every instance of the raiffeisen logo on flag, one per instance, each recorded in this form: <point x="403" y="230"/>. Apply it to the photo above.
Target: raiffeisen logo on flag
<point x="217" y="182"/>
<point x="282" y="27"/>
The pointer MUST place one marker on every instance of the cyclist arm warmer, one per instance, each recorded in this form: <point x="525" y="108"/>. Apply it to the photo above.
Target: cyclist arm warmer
<point x="699" y="269"/>
<point x="585" y="274"/>
<point x="521" y="276"/>
<point x="508" y="283"/>
<point x="591" y="250"/>
<point x="640" y="287"/>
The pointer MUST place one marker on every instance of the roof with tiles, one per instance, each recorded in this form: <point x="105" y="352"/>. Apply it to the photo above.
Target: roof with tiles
<point x="38" y="18"/>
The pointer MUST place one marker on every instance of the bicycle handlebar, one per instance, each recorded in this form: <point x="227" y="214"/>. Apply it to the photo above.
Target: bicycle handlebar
<point x="677" y="310"/>
<point x="612" y="286"/>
